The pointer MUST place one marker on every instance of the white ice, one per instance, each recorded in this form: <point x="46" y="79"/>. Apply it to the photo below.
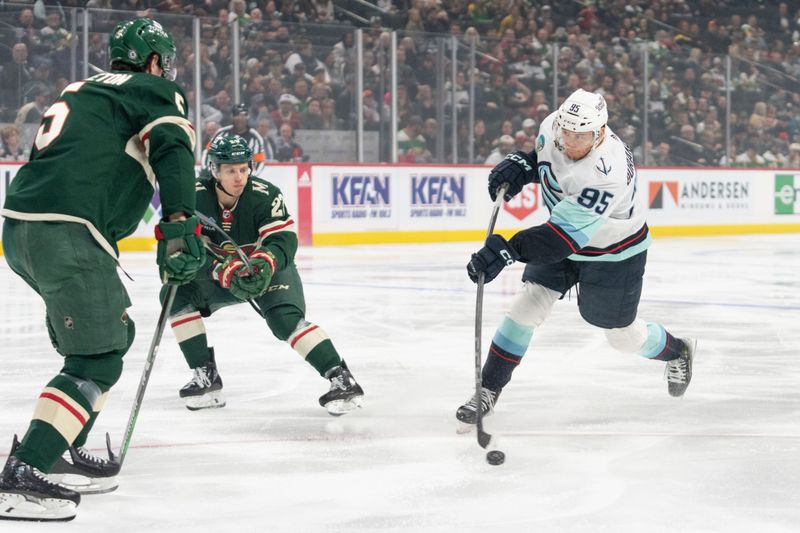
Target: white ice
<point x="593" y="441"/>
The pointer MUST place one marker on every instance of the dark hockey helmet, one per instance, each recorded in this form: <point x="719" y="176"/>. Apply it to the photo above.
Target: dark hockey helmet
<point x="134" y="41"/>
<point x="239" y="109"/>
<point x="227" y="150"/>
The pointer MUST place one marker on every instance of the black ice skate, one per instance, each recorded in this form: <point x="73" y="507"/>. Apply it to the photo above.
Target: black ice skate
<point x="467" y="414"/>
<point x="80" y="470"/>
<point x="204" y="391"/>
<point x="679" y="371"/>
<point x="26" y="494"/>
<point x="345" y="394"/>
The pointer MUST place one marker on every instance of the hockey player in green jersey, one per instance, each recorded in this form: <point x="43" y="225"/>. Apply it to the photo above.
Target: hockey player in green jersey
<point x="96" y="158"/>
<point x="251" y="212"/>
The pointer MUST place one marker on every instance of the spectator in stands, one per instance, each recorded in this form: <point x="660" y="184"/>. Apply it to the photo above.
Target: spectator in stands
<point x="275" y="66"/>
<point x="329" y="119"/>
<point x="793" y="161"/>
<point x="31" y="113"/>
<point x="265" y="129"/>
<point x="483" y="144"/>
<point x="15" y="76"/>
<point x="686" y="150"/>
<point x="411" y="146"/>
<point x="55" y="40"/>
<point x="424" y="104"/>
<point x="209" y="129"/>
<point x="311" y="118"/>
<point x="11" y="149"/>
<point x="504" y="147"/>
<point x="750" y="157"/>
<point x="25" y="31"/>
<point x="305" y="55"/>
<point x="762" y="120"/>
<point x="528" y="130"/>
<point x="660" y="157"/>
<point x="323" y="9"/>
<point x="287" y="112"/>
<point x="302" y="94"/>
<point x="372" y="116"/>
<point x="431" y="133"/>
<point x="286" y="149"/>
<point x="216" y="107"/>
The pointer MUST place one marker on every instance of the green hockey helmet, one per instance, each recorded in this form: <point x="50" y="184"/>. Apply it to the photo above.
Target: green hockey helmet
<point x="134" y="41"/>
<point x="227" y="150"/>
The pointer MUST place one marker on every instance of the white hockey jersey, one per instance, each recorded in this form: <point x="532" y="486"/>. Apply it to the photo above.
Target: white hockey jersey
<point x="593" y="202"/>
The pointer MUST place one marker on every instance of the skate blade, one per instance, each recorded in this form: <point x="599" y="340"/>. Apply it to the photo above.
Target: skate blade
<point x="211" y="400"/>
<point x="464" y="427"/>
<point x="29" y="508"/>
<point x="342" y="407"/>
<point x="84" y="484"/>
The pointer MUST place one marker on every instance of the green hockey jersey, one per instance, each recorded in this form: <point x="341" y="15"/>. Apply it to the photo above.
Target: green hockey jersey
<point x="259" y="219"/>
<point x="99" y="152"/>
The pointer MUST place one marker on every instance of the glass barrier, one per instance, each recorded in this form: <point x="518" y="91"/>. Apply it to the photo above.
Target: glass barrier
<point x="462" y="97"/>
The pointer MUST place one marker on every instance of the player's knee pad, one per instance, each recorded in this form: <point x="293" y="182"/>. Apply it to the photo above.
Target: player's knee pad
<point x="532" y="305"/>
<point x="104" y="369"/>
<point x="630" y="338"/>
<point x="283" y="320"/>
<point x="88" y="389"/>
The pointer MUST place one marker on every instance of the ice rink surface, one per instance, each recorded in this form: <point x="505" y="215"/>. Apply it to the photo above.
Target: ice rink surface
<point x="593" y="441"/>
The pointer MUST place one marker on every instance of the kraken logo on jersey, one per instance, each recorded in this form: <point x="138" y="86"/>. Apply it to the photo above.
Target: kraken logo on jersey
<point x="601" y="166"/>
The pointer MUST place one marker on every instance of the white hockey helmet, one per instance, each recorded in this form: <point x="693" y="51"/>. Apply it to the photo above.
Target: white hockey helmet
<point x="583" y="111"/>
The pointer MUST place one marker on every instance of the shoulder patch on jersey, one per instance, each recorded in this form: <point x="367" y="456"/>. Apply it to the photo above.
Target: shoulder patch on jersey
<point x="602" y="165"/>
<point x="540" y="142"/>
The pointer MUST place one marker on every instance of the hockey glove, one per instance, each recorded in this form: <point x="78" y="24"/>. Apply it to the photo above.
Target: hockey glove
<point x="491" y="259"/>
<point x="517" y="169"/>
<point x="246" y="283"/>
<point x="180" y="253"/>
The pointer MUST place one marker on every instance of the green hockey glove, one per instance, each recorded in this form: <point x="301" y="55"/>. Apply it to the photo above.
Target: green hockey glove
<point x="234" y="275"/>
<point x="180" y="253"/>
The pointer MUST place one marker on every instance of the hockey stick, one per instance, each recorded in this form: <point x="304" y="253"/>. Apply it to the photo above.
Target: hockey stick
<point x="484" y="438"/>
<point x="148" y="368"/>
<point x="243" y="256"/>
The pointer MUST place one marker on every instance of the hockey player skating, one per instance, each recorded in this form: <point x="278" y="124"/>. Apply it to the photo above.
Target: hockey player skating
<point x="596" y="238"/>
<point x="96" y="157"/>
<point x="252" y="213"/>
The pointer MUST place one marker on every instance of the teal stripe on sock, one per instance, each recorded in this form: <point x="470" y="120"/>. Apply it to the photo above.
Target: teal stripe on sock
<point x="512" y="337"/>
<point x="656" y="341"/>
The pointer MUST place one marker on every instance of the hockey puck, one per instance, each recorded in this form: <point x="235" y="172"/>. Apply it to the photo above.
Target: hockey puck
<point x="495" y="457"/>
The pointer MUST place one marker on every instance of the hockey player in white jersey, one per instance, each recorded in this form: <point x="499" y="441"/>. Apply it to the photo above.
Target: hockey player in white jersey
<point x="596" y="238"/>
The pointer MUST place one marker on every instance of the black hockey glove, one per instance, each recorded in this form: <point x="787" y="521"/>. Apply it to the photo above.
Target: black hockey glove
<point x="491" y="259"/>
<point x="517" y="169"/>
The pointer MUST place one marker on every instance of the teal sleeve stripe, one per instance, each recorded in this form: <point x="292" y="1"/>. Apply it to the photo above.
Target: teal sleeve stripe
<point x="615" y="257"/>
<point x="553" y="183"/>
<point x="549" y="197"/>
<point x="579" y="223"/>
<point x="656" y="341"/>
<point x="584" y="220"/>
<point x="512" y="337"/>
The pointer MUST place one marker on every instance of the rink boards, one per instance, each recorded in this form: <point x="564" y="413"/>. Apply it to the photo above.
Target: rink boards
<point x="335" y="204"/>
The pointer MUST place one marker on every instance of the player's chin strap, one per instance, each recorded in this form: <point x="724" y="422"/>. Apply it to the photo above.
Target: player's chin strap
<point x="220" y="187"/>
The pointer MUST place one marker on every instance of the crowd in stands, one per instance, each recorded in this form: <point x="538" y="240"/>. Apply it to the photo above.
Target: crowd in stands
<point x="298" y="71"/>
